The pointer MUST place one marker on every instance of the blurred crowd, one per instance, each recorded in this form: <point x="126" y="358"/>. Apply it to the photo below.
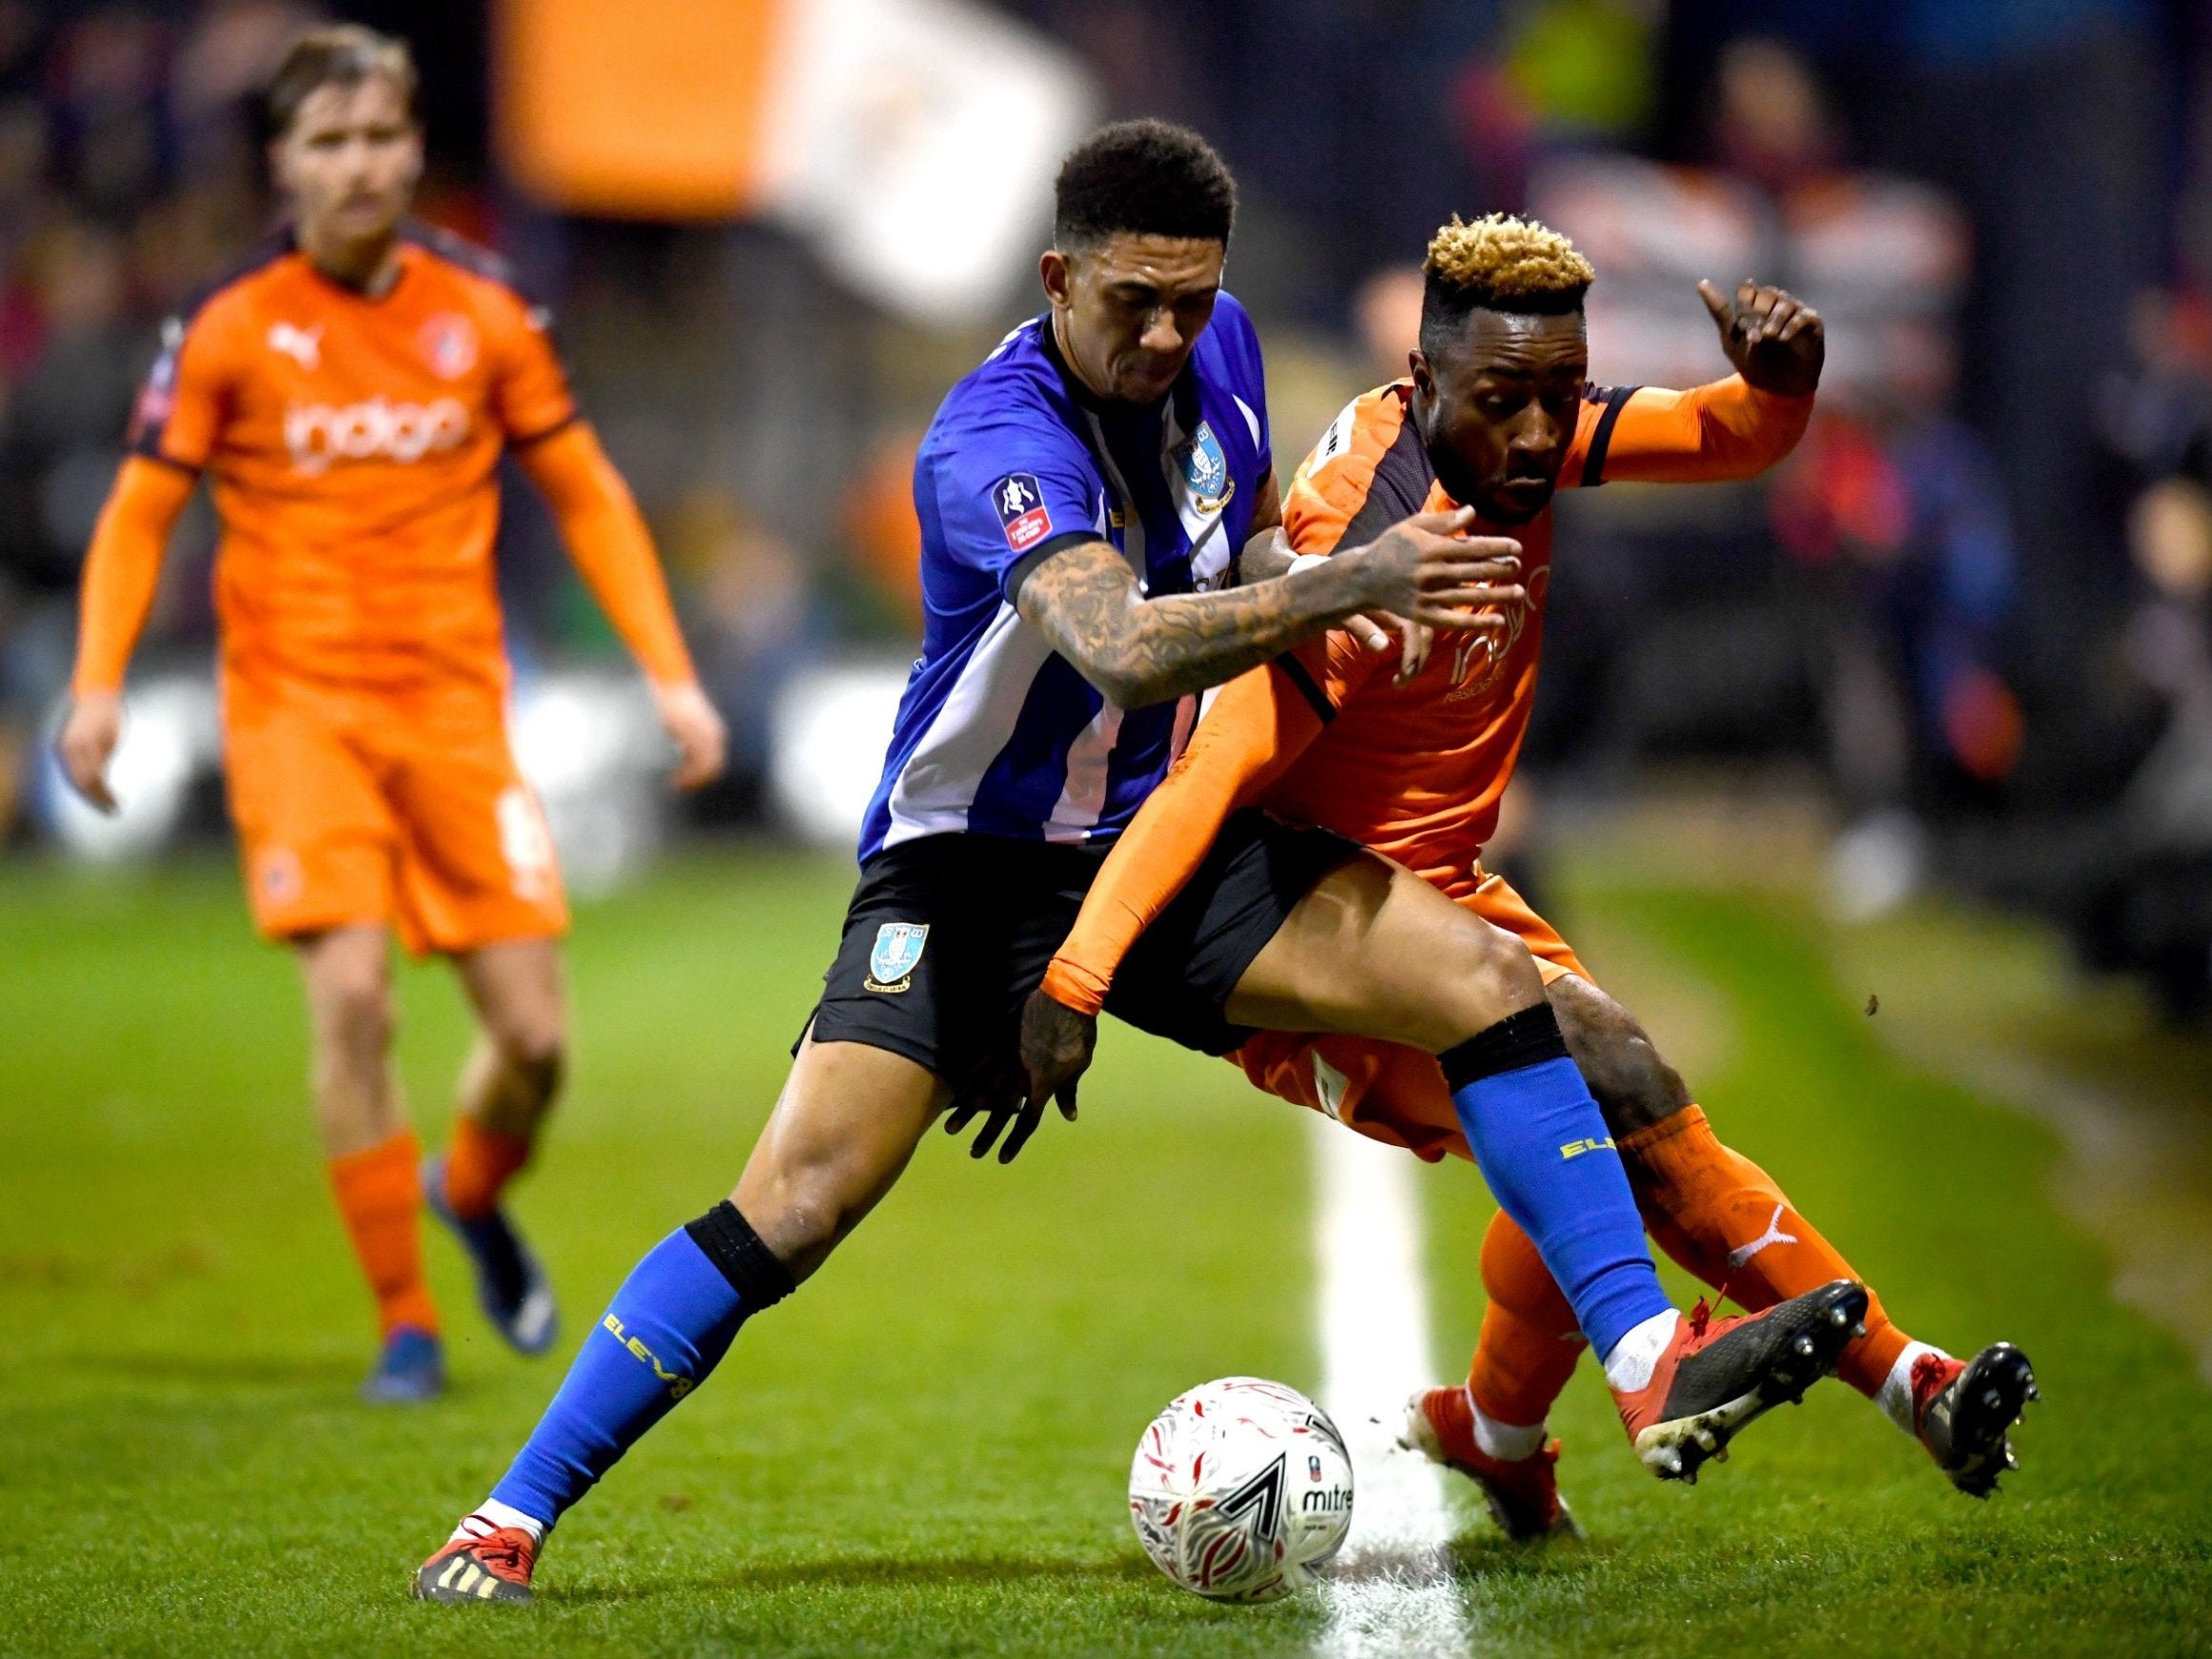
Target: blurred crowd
<point x="1978" y="602"/>
<point x="127" y="180"/>
<point x="132" y="178"/>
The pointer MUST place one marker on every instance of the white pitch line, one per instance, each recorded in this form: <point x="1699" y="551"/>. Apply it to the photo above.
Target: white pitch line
<point x="1392" y="1594"/>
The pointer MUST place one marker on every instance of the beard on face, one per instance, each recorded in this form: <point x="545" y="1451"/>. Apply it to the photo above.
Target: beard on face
<point x="1470" y="488"/>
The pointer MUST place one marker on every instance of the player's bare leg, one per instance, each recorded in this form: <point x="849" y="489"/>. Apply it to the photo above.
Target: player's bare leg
<point x="351" y="1021"/>
<point x="372" y="1154"/>
<point x="1728" y="1221"/>
<point x="1374" y="951"/>
<point x="514" y="1073"/>
<point x="843" y="1130"/>
<point x="508" y="1086"/>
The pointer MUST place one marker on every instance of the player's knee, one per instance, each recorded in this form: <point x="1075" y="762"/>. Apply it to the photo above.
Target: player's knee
<point x="1494" y="975"/>
<point x="803" y="1215"/>
<point x="354" y="1008"/>
<point x="1635" y="1085"/>
<point x="535" y="1049"/>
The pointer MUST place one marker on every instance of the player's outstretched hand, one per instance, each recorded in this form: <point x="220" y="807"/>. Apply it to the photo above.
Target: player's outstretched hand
<point x="87" y="743"/>
<point x="1775" y="340"/>
<point x="1056" y="1045"/>
<point x="701" y="740"/>
<point x="1429" y="570"/>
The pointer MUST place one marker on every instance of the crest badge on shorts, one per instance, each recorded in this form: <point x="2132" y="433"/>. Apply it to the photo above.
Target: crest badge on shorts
<point x="897" y="950"/>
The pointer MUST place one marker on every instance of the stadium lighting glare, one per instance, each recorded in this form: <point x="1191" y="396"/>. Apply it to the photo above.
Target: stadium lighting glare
<point x="592" y="748"/>
<point x="170" y="739"/>
<point x="825" y="747"/>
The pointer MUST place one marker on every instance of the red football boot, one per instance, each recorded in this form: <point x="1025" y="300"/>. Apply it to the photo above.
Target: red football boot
<point x="1718" y="1375"/>
<point x="493" y="1565"/>
<point x="1522" y="1496"/>
<point x="1963" y="1411"/>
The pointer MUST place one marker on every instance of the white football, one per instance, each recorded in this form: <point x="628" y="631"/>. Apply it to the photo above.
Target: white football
<point x="1241" y="1490"/>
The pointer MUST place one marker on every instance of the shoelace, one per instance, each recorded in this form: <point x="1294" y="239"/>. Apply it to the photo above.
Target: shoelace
<point x="1927" y="1381"/>
<point x="502" y="1554"/>
<point x="1701" y="1315"/>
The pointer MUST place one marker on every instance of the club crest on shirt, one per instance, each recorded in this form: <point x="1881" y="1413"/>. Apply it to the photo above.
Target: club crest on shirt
<point x="448" y="340"/>
<point x="1206" y="470"/>
<point x="896" y="952"/>
<point x="1022" y="510"/>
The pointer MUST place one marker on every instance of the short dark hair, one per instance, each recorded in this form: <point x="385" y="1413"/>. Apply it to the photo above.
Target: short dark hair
<point x="1149" y="177"/>
<point x="1501" y="263"/>
<point x="341" y="55"/>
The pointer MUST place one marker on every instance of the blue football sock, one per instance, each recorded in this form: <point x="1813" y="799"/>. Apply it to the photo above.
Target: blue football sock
<point x="668" y="1326"/>
<point x="1543" y="1147"/>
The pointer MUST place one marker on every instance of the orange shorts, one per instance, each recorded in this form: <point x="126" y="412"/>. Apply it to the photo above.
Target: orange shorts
<point x="1388" y="1091"/>
<point x="401" y="809"/>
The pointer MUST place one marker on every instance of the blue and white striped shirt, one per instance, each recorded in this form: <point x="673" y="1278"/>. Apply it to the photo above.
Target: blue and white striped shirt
<point x="997" y="732"/>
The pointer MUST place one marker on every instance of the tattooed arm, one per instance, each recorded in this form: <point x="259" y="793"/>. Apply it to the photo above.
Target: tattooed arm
<point x="1267" y="554"/>
<point x="1136" y="651"/>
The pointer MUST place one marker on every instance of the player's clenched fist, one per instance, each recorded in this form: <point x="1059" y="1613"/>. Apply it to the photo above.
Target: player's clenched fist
<point x="1429" y="570"/>
<point x="87" y="744"/>
<point x="1774" y="338"/>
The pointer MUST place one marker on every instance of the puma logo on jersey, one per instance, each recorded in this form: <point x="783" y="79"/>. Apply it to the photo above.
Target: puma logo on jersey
<point x="1772" y="1236"/>
<point x="376" y="429"/>
<point x="303" y="345"/>
<point x="1331" y="1085"/>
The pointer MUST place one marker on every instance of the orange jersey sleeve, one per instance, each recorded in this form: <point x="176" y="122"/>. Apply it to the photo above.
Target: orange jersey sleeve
<point x="122" y="568"/>
<point x="189" y="389"/>
<point x="1706" y="435"/>
<point x="1259" y="723"/>
<point x="530" y="395"/>
<point x="612" y="548"/>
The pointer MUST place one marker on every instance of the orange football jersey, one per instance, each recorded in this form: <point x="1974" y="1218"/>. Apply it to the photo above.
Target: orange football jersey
<point x="1416" y="771"/>
<point x="353" y="443"/>
<point x="1325" y="736"/>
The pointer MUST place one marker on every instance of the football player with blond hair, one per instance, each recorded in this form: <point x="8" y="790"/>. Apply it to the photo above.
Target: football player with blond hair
<point x="1497" y="414"/>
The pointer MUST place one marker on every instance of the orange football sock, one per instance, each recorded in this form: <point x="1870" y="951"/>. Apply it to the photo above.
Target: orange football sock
<point x="1724" y="1220"/>
<point x="1530" y="1340"/>
<point x="380" y="1192"/>
<point x="478" y="1164"/>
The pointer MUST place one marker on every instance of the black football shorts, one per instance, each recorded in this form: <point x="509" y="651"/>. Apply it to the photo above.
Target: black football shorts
<point x="947" y="936"/>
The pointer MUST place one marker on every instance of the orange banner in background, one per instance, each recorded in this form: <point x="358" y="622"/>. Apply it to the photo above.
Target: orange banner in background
<point x="636" y="108"/>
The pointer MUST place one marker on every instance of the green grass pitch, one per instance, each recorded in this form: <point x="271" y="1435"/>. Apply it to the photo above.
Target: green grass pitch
<point x="924" y="1451"/>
